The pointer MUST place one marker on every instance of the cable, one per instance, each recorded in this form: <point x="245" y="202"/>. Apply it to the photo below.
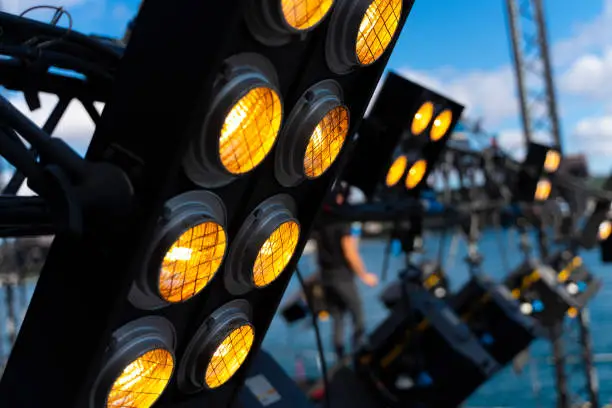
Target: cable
<point x="59" y="13"/>
<point x="386" y="259"/>
<point x="315" y="324"/>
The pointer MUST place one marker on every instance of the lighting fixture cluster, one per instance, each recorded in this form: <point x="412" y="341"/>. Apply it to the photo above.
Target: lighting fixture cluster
<point x="575" y="279"/>
<point x="431" y="121"/>
<point x="543" y="293"/>
<point x="415" y="355"/>
<point x="495" y="317"/>
<point x="191" y="245"/>
<point x="400" y="141"/>
<point x="538" y="168"/>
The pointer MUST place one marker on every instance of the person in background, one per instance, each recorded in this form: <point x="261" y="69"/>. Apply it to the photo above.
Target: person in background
<point x="339" y="263"/>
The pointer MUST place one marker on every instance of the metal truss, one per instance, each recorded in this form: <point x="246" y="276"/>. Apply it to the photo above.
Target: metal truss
<point x="532" y="67"/>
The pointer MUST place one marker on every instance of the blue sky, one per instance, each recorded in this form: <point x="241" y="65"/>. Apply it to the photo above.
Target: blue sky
<point x="461" y="48"/>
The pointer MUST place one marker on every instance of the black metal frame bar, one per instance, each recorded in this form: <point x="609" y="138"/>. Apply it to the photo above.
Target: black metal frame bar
<point x="86" y="279"/>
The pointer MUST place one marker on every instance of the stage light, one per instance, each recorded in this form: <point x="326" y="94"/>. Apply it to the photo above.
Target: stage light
<point x="305" y="14"/>
<point x="533" y="182"/>
<point x="219" y="124"/>
<point x="430" y="347"/>
<point x="326" y="141"/>
<point x="441" y="125"/>
<point x="429" y="274"/>
<point x="186" y="251"/>
<point x="218" y="349"/>
<point x="604" y="230"/>
<point x="249" y="130"/>
<point x="313" y="135"/>
<point x="242" y="125"/>
<point x="263" y="246"/>
<point x="496" y="318"/>
<point x="550" y="293"/>
<point x="275" y="253"/>
<point x="543" y="190"/>
<point x="578" y="281"/>
<point x="276" y="22"/>
<point x="360" y="32"/>
<point x="552" y="161"/>
<point x="138" y="365"/>
<point x="142" y="381"/>
<point x="416" y="174"/>
<point x="422" y="118"/>
<point x="572" y="288"/>
<point x="526" y="308"/>
<point x="406" y="119"/>
<point x="229" y="356"/>
<point x="377" y="29"/>
<point x="439" y="292"/>
<point x="396" y="171"/>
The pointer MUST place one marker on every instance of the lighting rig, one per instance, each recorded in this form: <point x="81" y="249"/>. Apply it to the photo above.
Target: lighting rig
<point x="487" y="307"/>
<point x="560" y="285"/>
<point x="411" y="358"/>
<point x="598" y="228"/>
<point x="176" y="235"/>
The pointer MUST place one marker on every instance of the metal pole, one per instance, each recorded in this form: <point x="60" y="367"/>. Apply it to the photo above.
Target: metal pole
<point x="587" y="358"/>
<point x="551" y="100"/>
<point x="513" y="21"/>
<point x="11" y="321"/>
<point x="563" y="399"/>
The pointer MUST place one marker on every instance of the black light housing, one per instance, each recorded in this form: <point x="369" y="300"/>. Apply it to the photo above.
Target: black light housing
<point x="390" y="122"/>
<point x="494" y="317"/>
<point x="574" y="276"/>
<point x="431" y="276"/>
<point x="534" y="178"/>
<point x="537" y="289"/>
<point x="173" y="125"/>
<point x="423" y="354"/>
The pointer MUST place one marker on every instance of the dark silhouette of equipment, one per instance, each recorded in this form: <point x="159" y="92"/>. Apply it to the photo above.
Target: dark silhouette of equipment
<point x="494" y="316"/>
<point x="423" y="354"/>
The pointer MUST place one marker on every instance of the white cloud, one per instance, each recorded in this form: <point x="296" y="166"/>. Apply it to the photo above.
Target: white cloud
<point x="590" y="76"/>
<point x="593" y="136"/>
<point x="512" y="141"/>
<point x="486" y="94"/>
<point x="591" y="36"/>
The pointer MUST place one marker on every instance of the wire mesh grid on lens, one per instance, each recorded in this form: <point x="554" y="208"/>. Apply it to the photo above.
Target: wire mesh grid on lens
<point x="275" y="253"/>
<point x="192" y="261"/>
<point x="304" y="14"/>
<point x="142" y="381"/>
<point x="229" y="356"/>
<point x="250" y="130"/>
<point x="377" y="29"/>
<point x="326" y="142"/>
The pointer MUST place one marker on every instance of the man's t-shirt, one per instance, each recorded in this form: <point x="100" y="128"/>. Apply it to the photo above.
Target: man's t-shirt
<point x="332" y="262"/>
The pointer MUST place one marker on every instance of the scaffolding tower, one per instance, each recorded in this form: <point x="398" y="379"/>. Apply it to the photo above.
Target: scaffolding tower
<point x="540" y="120"/>
<point x="532" y="68"/>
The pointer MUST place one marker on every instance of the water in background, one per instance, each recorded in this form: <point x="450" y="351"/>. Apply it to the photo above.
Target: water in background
<point x="506" y="389"/>
<point x="533" y="388"/>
